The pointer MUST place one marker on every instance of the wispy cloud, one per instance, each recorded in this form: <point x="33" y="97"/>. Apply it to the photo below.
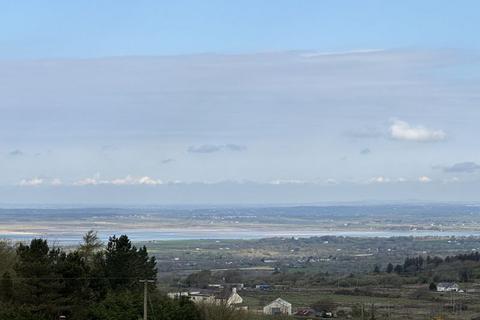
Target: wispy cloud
<point x="365" y="151"/>
<point x="16" y="153"/>
<point x="401" y="130"/>
<point x="340" y="53"/>
<point x="234" y="147"/>
<point x="205" y="148"/>
<point x="340" y="102"/>
<point x="108" y="147"/>
<point x="332" y="181"/>
<point x="211" y="148"/>
<point x="166" y="161"/>
<point x="364" y="133"/>
<point x="462" y="167"/>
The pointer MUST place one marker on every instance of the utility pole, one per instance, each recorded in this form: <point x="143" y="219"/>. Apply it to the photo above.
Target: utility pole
<point x="145" y="299"/>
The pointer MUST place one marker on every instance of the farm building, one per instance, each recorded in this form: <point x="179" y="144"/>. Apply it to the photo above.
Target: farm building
<point x="278" y="307"/>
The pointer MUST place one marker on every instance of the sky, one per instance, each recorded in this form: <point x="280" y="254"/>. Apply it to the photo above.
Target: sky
<point x="251" y="102"/>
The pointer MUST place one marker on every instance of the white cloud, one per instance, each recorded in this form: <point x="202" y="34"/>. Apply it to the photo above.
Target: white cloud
<point x="148" y="180"/>
<point x="86" y="182"/>
<point x="380" y="179"/>
<point x="401" y="130"/>
<point x="424" y="179"/>
<point x="31" y="182"/>
<point x="56" y="182"/>
<point x="289" y="181"/>
<point x="127" y="181"/>
<point x="331" y="181"/>
<point x="40" y="181"/>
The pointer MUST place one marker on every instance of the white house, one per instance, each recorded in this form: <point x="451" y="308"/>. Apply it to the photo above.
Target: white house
<point x="234" y="298"/>
<point x="447" y="287"/>
<point x="173" y="295"/>
<point x="278" y="307"/>
<point x="195" y="297"/>
<point x="229" y="298"/>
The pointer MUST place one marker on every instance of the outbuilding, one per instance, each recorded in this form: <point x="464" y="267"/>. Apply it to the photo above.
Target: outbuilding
<point x="278" y="307"/>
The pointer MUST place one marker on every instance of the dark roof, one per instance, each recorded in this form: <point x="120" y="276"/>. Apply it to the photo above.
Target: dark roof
<point x="225" y="294"/>
<point x="446" y="284"/>
<point x="304" y="312"/>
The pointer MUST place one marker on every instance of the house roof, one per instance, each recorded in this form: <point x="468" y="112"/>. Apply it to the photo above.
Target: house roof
<point x="280" y="301"/>
<point x="447" y="284"/>
<point x="197" y="294"/>
<point x="225" y="294"/>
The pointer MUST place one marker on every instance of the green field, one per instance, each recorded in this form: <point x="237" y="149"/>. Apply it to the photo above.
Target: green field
<point x="338" y="269"/>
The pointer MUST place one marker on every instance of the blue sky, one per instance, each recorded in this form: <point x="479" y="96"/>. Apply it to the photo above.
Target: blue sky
<point x="44" y="29"/>
<point x="238" y="102"/>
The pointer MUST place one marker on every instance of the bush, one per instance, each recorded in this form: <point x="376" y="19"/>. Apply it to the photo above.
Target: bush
<point x="128" y="305"/>
<point x="222" y="312"/>
<point x="324" y="305"/>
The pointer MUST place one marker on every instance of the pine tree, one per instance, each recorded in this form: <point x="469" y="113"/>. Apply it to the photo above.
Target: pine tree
<point x="125" y="264"/>
<point x="40" y="286"/>
<point x="389" y="268"/>
<point x="91" y="244"/>
<point x="6" y="287"/>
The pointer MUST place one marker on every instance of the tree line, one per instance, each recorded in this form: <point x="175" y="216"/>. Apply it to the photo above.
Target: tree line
<point x="40" y="282"/>
<point x="460" y="267"/>
<point x="420" y="263"/>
